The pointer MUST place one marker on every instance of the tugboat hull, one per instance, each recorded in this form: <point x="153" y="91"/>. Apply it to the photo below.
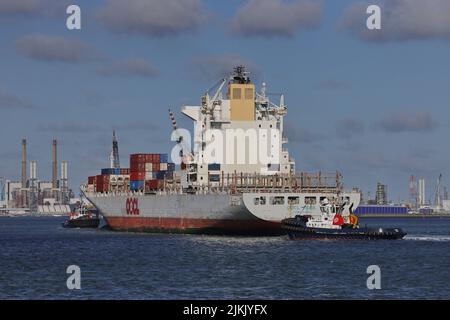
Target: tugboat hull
<point x="82" y="223"/>
<point x="297" y="230"/>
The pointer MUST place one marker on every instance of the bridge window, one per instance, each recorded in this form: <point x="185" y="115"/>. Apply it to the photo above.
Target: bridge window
<point x="293" y="200"/>
<point x="260" y="201"/>
<point x="249" y="94"/>
<point x="237" y="93"/>
<point x="310" y="200"/>
<point x="277" y="200"/>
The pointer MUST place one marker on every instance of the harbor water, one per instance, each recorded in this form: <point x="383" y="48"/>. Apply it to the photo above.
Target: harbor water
<point x="36" y="251"/>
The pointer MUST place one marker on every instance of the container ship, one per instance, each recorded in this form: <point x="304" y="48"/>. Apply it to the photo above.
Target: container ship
<point x="206" y="194"/>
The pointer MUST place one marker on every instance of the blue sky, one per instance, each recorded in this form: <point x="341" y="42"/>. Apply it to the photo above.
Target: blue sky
<point x="373" y="105"/>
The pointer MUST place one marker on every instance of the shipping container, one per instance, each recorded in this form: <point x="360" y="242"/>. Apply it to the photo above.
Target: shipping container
<point x="150" y="175"/>
<point x="160" y="175"/>
<point x="92" y="179"/>
<point x="124" y="171"/>
<point x="137" y="175"/>
<point x="109" y="171"/>
<point x="138" y="157"/>
<point x="163" y="158"/>
<point x="148" y="166"/>
<point x="169" y="175"/>
<point x="214" y="166"/>
<point x="151" y="184"/>
<point x="102" y="183"/>
<point x="171" y="166"/>
<point x="137" y="166"/>
<point x="137" y="185"/>
<point x="163" y="166"/>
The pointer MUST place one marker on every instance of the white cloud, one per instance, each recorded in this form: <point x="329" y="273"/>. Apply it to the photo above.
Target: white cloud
<point x="52" y="48"/>
<point x="276" y="17"/>
<point x="152" y="17"/>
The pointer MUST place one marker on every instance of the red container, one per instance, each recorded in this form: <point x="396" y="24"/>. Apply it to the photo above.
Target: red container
<point x="137" y="166"/>
<point x="137" y="175"/>
<point x="92" y="180"/>
<point x="102" y="183"/>
<point x="151" y="184"/>
<point x="155" y="166"/>
<point x="137" y="157"/>
<point x="124" y="171"/>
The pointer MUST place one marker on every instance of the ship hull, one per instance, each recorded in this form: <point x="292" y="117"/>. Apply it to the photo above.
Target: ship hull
<point x="297" y="230"/>
<point x="191" y="214"/>
<point x="195" y="226"/>
<point x="211" y="213"/>
<point x="82" y="223"/>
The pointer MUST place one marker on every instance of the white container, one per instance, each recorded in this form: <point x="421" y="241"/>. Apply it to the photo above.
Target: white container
<point x="163" y="166"/>
<point x="149" y="166"/>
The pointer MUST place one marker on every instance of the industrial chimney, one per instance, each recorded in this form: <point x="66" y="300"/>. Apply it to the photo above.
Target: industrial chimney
<point x="54" y="166"/>
<point x="24" y="163"/>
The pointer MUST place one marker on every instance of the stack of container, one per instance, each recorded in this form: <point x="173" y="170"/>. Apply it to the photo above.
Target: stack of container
<point x="149" y="170"/>
<point x="110" y="179"/>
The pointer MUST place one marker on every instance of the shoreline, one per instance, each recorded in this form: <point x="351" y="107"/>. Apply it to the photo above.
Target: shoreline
<point x="442" y="215"/>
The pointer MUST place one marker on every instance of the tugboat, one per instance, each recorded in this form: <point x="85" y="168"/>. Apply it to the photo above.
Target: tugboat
<point x="332" y="224"/>
<point x="82" y="217"/>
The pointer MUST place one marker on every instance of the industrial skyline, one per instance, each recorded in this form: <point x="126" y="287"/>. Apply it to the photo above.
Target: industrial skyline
<point x="375" y="108"/>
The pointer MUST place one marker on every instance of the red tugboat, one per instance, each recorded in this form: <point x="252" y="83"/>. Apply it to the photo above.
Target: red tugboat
<point x="332" y="224"/>
<point x="82" y="217"/>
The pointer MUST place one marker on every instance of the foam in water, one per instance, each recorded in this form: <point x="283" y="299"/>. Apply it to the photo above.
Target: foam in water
<point x="428" y="237"/>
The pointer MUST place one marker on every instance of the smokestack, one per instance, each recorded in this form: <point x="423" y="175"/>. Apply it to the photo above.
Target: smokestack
<point x="33" y="171"/>
<point x="64" y="170"/>
<point x="54" y="166"/>
<point x="24" y="163"/>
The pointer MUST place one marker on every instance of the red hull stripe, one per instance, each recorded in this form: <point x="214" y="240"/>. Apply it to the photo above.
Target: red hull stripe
<point x="194" y="225"/>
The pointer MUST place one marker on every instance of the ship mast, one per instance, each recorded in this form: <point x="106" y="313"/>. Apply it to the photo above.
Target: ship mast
<point x="114" y="156"/>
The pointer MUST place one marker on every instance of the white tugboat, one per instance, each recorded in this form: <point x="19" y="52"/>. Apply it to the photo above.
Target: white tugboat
<point x="333" y="223"/>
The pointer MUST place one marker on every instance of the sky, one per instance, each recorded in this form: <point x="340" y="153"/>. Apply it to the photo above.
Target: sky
<point x="371" y="104"/>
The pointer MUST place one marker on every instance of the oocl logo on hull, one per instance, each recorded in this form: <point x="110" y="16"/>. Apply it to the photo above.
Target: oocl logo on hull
<point x="132" y="206"/>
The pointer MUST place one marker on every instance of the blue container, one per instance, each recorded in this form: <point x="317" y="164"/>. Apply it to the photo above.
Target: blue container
<point x="163" y="158"/>
<point x="161" y="174"/>
<point x="137" y="185"/>
<point x="108" y="171"/>
<point x="171" y="166"/>
<point x="214" y="166"/>
<point x="169" y="175"/>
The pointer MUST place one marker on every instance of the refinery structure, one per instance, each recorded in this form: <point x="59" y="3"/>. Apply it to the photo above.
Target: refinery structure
<point x="420" y="202"/>
<point x="32" y="195"/>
